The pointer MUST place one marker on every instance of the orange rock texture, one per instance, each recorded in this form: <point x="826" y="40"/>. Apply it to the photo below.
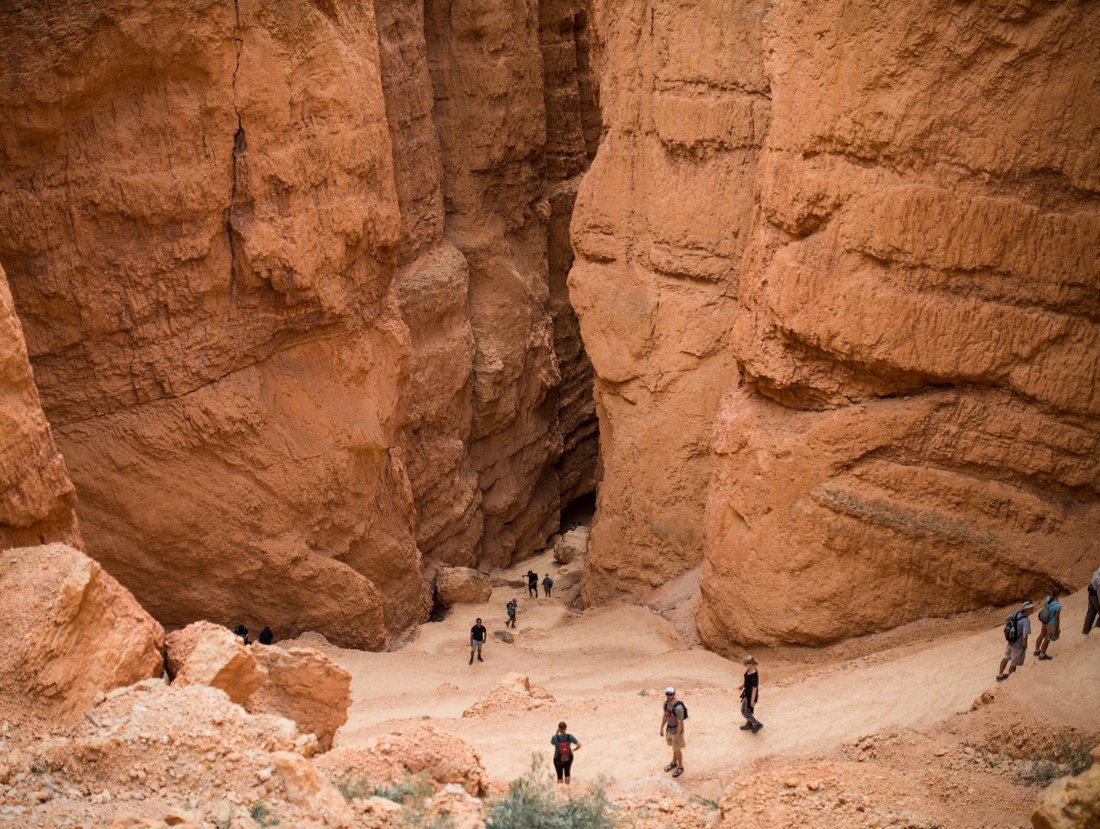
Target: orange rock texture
<point x="69" y="633"/>
<point x="292" y="283"/>
<point x="838" y="270"/>
<point x="37" y="499"/>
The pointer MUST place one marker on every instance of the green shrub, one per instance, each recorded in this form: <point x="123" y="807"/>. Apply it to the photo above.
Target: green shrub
<point x="532" y="802"/>
<point x="262" y="814"/>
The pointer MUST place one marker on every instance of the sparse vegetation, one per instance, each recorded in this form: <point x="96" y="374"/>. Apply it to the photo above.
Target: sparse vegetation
<point x="1070" y="757"/>
<point x="1074" y="754"/>
<point x="263" y="815"/>
<point x="706" y="801"/>
<point x="414" y="793"/>
<point x="643" y="693"/>
<point x="1038" y="772"/>
<point x="531" y="801"/>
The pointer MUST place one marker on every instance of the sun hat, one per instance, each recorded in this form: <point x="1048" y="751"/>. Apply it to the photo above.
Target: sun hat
<point x="1029" y="605"/>
<point x="670" y="691"/>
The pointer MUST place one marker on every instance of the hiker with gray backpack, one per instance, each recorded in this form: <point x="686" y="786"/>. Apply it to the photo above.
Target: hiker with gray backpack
<point x="1017" y="629"/>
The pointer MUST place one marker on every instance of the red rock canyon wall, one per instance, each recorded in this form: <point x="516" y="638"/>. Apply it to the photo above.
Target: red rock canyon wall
<point x="283" y="276"/>
<point x="838" y="275"/>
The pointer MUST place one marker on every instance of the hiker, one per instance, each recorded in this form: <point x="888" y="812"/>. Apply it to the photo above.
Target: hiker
<point x="242" y="632"/>
<point x="512" y="607"/>
<point x="750" y="693"/>
<point x="673" y="715"/>
<point x="1092" y="612"/>
<point x="1051" y="618"/>
<point x="266" y="636"/>
<point x="477" y="639"/>
<point x="1017" y="629"/>
<point x="547" y="584"/>
<point x="564" y="745"/>
<point x="532" y="584"/>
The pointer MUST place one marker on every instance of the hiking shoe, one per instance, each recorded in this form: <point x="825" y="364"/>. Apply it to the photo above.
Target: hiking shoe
<point x="471" y="660"/>
<point x="670" y="767"/>
<point x="1044" y="657"/>
<point x="678" y="771"/>
<point x="1002" y="677"/>
<point x="479" y="659"/>
<point x="1035" y="653"/>
<point x="747" y="727"/>
<point x="757" y="727"/>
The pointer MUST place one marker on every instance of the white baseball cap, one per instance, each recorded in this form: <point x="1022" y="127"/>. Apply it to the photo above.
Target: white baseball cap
<point x="670" y="691"/>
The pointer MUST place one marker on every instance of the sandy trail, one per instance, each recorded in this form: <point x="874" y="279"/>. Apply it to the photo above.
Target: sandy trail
<point x="607" y="669"/>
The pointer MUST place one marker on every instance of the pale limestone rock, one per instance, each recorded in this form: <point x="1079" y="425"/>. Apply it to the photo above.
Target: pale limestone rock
<point x="571" y="546"/>
<point x="1069" y="803"/>
<point x="304" y="686"/>
<point x="462" y="585"/>
<point x="69" y="632"/>
<point x="207" y="654"/>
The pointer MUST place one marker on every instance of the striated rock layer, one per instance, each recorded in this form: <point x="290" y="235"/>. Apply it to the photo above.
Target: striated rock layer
<point x="864" y="240"/>
<point x="283" y="273"/>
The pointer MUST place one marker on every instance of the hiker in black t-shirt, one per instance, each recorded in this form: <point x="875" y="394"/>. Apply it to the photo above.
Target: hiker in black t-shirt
<point x="532" y="584"/>
<point x="750" y="693"/>
<point x="266" y="636"/>
<point x="564" y="745"/>
<point x="242" y="632"/>
<point x="477" y="639"/>
<point x="547" y="585"/>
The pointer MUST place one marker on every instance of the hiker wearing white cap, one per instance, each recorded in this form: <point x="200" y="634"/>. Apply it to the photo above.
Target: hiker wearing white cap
<point x="1017" y="629"/>
<point x="673" y="715"/>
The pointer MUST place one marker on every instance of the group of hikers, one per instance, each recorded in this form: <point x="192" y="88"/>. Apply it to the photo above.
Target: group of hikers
<point x="1017" y="628"/>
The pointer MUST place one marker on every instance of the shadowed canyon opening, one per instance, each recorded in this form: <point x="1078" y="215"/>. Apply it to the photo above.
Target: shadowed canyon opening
<point x="767" y="325"/>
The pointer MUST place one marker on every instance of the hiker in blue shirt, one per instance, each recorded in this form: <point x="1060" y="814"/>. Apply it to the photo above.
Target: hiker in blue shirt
<point x="1051" y="618"/>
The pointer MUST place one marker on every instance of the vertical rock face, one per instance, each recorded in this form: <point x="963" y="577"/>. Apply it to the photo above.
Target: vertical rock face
<point x="908" y="343"/>
<point x="660" y="229"/>
<point x="283" y="271"/>
<point x="200" y="225"/>
<point x="37" y="499"/>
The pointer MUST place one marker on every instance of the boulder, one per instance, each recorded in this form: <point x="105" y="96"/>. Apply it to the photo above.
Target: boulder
<point x="307" y="790"/>
<point x="1069" y="803"/>
<point x="204" y="653"/>
<point x="420" y="750"/>
<point x="513" y="693"/>
<point x="305" y="686"/>
<point x="462" y="585"/>
<point x="571" y="546"/>
<point x="69" y="632"/>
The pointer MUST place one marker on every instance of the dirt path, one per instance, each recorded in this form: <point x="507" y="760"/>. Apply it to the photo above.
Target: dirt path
<point x="608" y="667"/>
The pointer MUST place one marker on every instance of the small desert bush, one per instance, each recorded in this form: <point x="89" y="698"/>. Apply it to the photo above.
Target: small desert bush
<point x="414" y="793"/>
<point x="532" y="802"/>
<point x="262" y="814"/>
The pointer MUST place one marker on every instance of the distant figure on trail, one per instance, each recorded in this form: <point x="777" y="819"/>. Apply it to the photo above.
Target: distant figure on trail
<point x="242" y="632"/>
<point x="532" y="584"/>
<point x="513" y="605"/>
<point x="266" y="636"/>
<point x="477" y="639"/>
<point x="1092" y="613"/>
<point x="750" y="693"/>
<point x="1017" y="629"/>
<point x="547" y="585"/>
<point x="564" y="745"/>
<point x="1051" y="619"/>
<point x="673" y="715"/>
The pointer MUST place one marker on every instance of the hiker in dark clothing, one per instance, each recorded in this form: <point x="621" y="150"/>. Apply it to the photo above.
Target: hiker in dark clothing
<point x="477" y="639"/>
<point x="564" y="745"/>
<point x="547" y="585"/>
<point x="242" y="632"/>
<point x="532" y="584"/>
<point x="750" y="693"/>
<point x="266" y="636"/>
<point x="512" y="607"/>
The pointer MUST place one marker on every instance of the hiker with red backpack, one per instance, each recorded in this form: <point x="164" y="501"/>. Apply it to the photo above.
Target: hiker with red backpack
<point x="1017" y="629"/>
<point x="564" y="745"/>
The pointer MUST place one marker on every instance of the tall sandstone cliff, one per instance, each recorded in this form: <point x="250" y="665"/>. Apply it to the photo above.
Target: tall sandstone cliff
<point x="284" y="278"/>
<point x="839" y="277"/>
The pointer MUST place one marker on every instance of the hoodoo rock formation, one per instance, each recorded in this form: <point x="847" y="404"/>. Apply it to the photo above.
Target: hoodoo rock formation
<point x="292" y="284"/>
<point x="838" y="276"/>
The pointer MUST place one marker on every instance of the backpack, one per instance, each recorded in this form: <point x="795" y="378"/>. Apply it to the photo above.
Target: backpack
<point x="1012" y="632"/>
<point x="1044" y="614"/>
<point x="565" y="748"/>
<point x="683" y="708"/>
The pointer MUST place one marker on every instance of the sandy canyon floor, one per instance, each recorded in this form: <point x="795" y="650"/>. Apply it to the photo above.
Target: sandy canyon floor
<point x="882" y="720"/>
